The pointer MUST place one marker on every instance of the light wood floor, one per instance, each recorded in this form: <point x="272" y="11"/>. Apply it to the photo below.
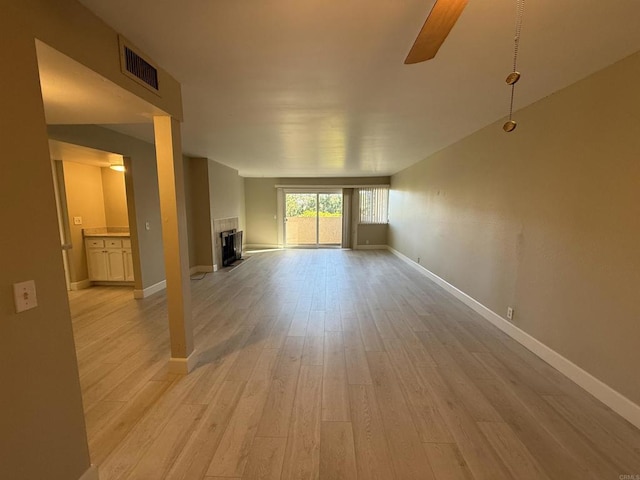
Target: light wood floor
<point x="331" y="364"/>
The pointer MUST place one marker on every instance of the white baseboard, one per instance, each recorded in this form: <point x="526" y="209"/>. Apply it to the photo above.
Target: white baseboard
<point x="202" y="269"/>
<point x="183" y="366"/>
<point x="371" y="247"/>
<point x="150" y="290"/>
<point x="603" y="392"/>
<point x="91" y="474"/>
<point x="81" y="285"/>
<point x="261" y="246"/>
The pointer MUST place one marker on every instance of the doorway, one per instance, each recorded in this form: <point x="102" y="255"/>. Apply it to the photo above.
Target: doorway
<point x="313" y="219"/>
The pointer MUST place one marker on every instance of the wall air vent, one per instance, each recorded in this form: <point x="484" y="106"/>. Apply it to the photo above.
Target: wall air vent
<point x="138" y="68"/>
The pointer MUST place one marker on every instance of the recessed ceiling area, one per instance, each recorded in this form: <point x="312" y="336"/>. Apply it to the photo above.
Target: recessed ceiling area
<point x="74" y="94"/>
<point x="316" y="88"/>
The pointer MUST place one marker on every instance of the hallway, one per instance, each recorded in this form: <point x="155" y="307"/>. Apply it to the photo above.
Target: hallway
<point x="331" y="364"/>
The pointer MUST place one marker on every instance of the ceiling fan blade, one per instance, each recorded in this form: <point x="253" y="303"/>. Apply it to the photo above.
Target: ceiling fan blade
<point x="439" y="23"/>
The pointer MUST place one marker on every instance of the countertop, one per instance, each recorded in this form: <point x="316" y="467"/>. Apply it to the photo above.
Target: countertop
<point x="106" y="232"/>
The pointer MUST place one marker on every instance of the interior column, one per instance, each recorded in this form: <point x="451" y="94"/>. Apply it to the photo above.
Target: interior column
<point x="175" y="241"/>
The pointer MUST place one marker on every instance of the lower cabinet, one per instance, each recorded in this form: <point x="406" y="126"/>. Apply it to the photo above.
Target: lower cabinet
<point x="128" y="264"/>
<point x="97" y="263"/>
<point x="109" y="259"/>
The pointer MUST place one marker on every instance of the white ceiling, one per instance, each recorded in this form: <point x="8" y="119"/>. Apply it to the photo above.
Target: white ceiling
<point x="317" y="88"/>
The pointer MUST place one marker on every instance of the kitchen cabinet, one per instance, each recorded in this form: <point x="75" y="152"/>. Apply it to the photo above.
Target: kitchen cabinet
<point x="109" y="259"/>
<point x="128" y="263"/>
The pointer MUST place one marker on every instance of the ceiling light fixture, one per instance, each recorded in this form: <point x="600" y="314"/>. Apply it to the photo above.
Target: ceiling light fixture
<point x="514" y="76"/>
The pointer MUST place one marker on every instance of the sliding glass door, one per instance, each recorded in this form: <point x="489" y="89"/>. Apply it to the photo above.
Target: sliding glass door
<point x="301" y="226"/>
<point x="313" y="219"/>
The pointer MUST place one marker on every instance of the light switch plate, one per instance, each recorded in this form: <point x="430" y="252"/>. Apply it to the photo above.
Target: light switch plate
<point x="24" y="295"/>
<point x="77" y="220"/>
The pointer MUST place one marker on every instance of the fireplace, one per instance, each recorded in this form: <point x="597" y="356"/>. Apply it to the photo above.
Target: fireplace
<point x="231" y="241"/>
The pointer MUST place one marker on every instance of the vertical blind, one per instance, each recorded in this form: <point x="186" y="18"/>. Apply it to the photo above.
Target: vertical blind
<point x="374" y="204"/>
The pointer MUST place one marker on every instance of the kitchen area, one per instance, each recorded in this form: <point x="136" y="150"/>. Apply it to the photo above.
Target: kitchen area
<point x="93" y="214"/>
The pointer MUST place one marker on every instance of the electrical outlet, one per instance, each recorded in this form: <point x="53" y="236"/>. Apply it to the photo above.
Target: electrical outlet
<point x="147" y="226"/>
<point x="24" y="295"/>
<point x="77" y="220"/>
<point x="510" y="313"/>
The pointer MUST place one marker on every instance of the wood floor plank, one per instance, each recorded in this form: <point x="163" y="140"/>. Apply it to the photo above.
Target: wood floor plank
<point x="409" y="314"/>
<point x="98" y="416"/>
<point x="302" y="455"/>
<point x="447" y="462"/>
<point x="349" y="319"/>
<point x="371" y="449"/>
<point x="231" y="455"/>
<point x="298" y="327"/>
<point x="337" y="451"/>
<point x="197" y="454"/>
<point x="315" y="325"/>
<point x="576" y="444"/>
<point x="220" y="360"/>
<point x="455" y="350"/>
<point x="382" y="322"/>
<point x="356" y="359"/>
<point x="624" y="452"/>
<point x="313" y="351"/>
<point x="481" y="458"/>
<point x="335" y="396"/>
<point x="281" y="326"/>
<point x="276" y="414"/>
<point x="408" y="458"/>
<point x="412" y="344"/>
<point x="554" y="457"/>
<point x="369" y="332"/>
<point x="513" y="453"/>
<point x="333" y="321"/>
<point x="428" y="420"/>
<point x="110" y="382"/>
<point x="146" y="430"/>
<point x="125" y="419"/>
<point x="265" y="459"/>
<point x="166" y="447"/>
<point x="251" y="352"/>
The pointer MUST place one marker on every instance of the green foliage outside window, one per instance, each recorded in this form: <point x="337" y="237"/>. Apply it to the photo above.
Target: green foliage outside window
<point x="304" y="205"/>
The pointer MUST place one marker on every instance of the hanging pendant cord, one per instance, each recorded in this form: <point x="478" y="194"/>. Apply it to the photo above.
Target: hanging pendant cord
<point x="516" y="45"/>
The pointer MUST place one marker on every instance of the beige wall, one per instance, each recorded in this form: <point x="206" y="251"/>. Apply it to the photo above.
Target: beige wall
<point x="214" y="191"/>
<point x="198" y="212"/>
<point x="143" y="201"/>
<point x="115" y="198"/>
<point x="43" y="431"/>
<point x="85" y="199"/>
<point x="370" y="234"/>
<point x="262" y="204"/>
<point x="227" y="195"/>
<point x="546" y="220"/>
<point x="41" y="402"/>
